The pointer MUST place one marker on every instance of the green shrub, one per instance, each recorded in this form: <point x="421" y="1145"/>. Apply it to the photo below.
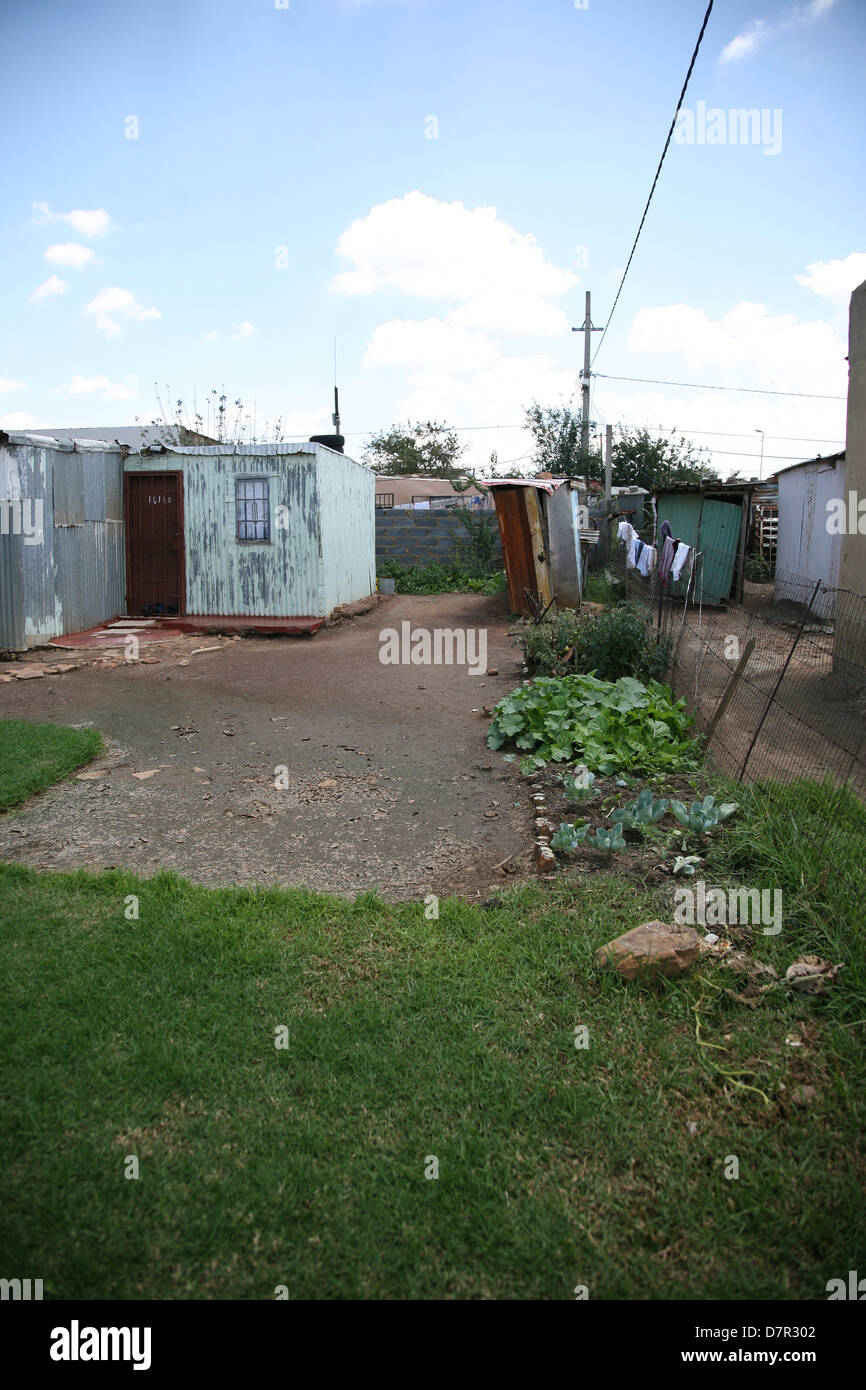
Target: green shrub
<point x="757" y="569"/>
<point x="613" y="644"/>
<point x="436" y="578"/>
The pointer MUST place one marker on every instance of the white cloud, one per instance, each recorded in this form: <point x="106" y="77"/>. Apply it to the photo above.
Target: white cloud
<point x="111" y="302"/>
<point x="7" y="384"/>
<point x="431" y="344"/>
<point x="53" y="285"/>
<point x="210" y="337"/>
<point x="757" y="32"/>
<point x="18" y="420"/>
<point x="243" y="330"/>
<point x="835" y="280"/>
<point x="100" y="386"/>
<point x="746" y="346"/>
<point x="88" y="222"/>
<point x="69" y="253"/>
<point x="417" y="245"/>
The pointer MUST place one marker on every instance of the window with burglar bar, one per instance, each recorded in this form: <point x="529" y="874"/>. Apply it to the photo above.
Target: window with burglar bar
<point x="252" y="509"/>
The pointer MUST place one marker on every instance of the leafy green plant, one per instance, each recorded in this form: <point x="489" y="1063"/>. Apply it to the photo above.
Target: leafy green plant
<point x="527" y="765"/>
<point x="686" y="864"/>
<point x="644" y="811"/>
<point x="609" y="726"/>
<point x="546" y="644"/>
<point x="578" y="786"/>
<point x="702" y="816"/>
<point x="612" y="644"/>
<point x="757" y="569"/>
<point x="436" y="578"/>
<point x="569" y="836"/>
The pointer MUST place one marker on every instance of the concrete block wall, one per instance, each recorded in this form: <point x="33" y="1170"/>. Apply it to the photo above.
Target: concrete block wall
<point x="417" y="538"/>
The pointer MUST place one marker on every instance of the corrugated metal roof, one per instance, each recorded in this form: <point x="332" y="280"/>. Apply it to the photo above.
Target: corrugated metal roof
<point x="65" y="444"/>
<point x="825" y="458"/>
<point x="251" y="451"/>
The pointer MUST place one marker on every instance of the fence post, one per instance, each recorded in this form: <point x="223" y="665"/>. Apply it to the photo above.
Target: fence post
<point x="775" y="689"/>
<point x="731" y="687"/>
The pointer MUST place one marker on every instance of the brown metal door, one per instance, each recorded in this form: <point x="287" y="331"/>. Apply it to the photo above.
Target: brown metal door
<point x="516" y="540"/>
<point x="154" y="543"/>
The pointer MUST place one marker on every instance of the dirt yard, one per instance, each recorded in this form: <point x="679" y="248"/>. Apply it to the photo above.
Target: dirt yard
<point x="390" y="783"/>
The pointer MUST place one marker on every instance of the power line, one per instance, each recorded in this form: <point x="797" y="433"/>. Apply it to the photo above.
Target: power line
<point x="658" y="172"/>
<point x="705" y="386"/>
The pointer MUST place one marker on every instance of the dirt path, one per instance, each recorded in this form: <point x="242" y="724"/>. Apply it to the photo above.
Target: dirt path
<point x="390" y="783"/>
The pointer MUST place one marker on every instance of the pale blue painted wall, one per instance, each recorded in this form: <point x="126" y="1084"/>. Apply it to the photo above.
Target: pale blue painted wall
<point x="322" y="547"/>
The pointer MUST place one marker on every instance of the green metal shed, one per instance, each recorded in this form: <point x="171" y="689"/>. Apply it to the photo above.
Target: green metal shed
<point x="714" y="521"/>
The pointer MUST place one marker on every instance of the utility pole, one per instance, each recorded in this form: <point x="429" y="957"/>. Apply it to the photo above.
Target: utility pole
<point x="586" y="329"/>
<point x="608" y="461"/>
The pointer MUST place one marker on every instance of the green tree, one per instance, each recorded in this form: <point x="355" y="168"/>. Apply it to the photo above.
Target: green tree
<point x="641" y="459"/>
<point x="426" y="449"/>
<point x="556" y="430"/>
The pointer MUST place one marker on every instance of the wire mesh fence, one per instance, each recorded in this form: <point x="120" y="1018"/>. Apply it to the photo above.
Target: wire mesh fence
<point x="777" y="677"/>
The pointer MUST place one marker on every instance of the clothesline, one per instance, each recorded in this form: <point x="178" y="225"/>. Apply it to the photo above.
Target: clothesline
<point x="643" y="557"/>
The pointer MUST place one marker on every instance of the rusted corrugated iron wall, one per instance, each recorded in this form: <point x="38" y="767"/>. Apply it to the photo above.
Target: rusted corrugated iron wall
<point x="70" y="575"/>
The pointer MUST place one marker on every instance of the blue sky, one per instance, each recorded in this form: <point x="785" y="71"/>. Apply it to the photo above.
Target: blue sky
<point x="435" y="183"/>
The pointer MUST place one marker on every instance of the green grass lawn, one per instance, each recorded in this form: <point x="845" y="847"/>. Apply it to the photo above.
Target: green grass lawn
<point x="33" y="756"/>
<point x="410" y="1038"/>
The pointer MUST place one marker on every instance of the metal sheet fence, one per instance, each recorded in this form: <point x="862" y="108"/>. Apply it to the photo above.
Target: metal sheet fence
<point x="778" y="682"/>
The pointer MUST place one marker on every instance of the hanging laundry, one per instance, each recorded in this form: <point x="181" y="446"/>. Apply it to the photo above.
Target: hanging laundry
<point x="667" y="559"/>
<point x="665" y="531"/>
<point x="622" y="531"/>
<point x="638" y="551"/>
<point x="682" y="554"/>
<point x="633" y="542"/>
<point x="647" y="562"/>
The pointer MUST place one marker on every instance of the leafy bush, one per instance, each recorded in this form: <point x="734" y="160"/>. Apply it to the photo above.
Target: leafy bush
<point x="545" y="644"/>
<point x="613" y="644"/>
<point x="436" y="578"/>
<point x="600" y="587"/>
<point x="609" y="726"/>
<point x="757" y="569"/>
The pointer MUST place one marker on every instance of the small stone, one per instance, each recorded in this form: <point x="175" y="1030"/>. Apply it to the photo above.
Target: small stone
<point x="652" y="946"/>
<point x="142" y="776"/>
<point x="30" y="673"/>
<point x="803" y="1095"/>
<point x="494" y="671"/>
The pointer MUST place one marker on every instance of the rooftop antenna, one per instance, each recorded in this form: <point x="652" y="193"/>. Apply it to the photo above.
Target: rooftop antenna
<point x="335" y="418"/>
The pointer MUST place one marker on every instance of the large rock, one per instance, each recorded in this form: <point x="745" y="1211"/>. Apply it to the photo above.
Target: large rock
<point x="653" y="947"/>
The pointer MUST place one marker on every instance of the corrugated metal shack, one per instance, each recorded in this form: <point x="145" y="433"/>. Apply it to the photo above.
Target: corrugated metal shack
<point x="267" y="531"/>
<point x="805" y="548"/>
<point x="712" y="518"/>
<point x="61" y="538"/>
<point x="543" y="525"/>
<point x="271" y="536"/>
